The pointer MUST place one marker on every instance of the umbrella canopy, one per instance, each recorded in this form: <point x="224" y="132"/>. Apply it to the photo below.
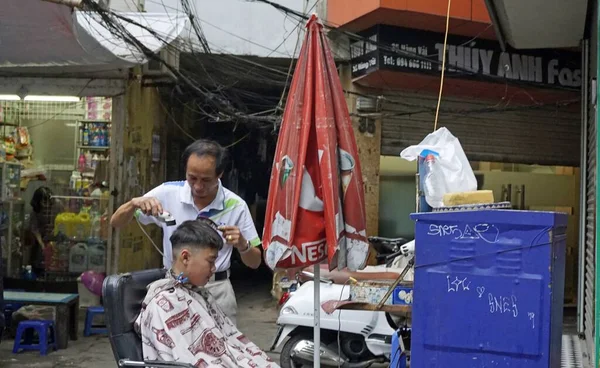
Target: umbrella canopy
<point x="316" y="208"/>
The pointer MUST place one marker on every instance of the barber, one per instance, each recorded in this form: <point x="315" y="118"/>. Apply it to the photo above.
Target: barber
<point x="201" y="195"/>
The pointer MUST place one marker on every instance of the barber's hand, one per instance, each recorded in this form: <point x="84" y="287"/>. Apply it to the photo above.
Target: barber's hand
<point x="148" y="205"/>
<point x="233" y="236"/>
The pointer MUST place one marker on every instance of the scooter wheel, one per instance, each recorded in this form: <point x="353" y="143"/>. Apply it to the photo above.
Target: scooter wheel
<point x="285" y="358"/>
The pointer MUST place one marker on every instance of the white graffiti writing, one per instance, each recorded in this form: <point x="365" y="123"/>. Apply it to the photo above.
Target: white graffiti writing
<point x="457" y="284"/>
<point x="503" y="304"/>
<point x="532" y="319"/>
<point x="486" y="232"/>
<point x="443" y="230"/>
<point x="480" y="291"/>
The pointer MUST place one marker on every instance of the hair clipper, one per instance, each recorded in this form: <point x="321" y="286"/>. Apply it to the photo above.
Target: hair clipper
<point x="167" y="218"/>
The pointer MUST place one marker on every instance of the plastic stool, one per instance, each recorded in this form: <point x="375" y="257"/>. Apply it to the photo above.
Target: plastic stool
<point x="42" y="328"/>
<point x="89" y="320"/>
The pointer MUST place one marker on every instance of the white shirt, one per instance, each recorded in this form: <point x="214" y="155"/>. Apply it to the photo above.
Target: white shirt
<point x="226" y="209"/>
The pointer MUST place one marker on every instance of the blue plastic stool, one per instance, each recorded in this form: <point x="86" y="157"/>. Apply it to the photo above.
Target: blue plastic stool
<point x="42" y="328"/>
<point x="89" y="321"/>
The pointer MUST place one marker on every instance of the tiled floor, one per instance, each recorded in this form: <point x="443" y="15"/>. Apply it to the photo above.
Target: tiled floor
<point x="572" y="353"/>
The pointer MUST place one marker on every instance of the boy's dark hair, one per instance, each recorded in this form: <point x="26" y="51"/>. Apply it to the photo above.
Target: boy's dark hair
<point x="196" y="234"/>
<point x="205" y="147"/>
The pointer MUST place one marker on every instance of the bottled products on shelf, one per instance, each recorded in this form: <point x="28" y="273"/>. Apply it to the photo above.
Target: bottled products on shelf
<point x="96" y="256"/>
<point x="94" y="134"/>
<point x="88" y="159"/>
<point x="78" y="258"/>
<point x="85" y="136"/>
<point x="81" y="162"/>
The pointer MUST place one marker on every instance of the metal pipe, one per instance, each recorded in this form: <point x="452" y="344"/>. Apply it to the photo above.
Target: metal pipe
<point x="596" y="330"/>
<point x="583" y="184"/>
<point x="317" y="317"/>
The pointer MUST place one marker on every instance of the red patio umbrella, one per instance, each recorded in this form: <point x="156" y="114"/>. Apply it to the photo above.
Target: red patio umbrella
<point x="316" y="208"/>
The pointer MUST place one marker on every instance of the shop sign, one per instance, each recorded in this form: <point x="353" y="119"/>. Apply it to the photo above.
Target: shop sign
<point x="410" y="50"/>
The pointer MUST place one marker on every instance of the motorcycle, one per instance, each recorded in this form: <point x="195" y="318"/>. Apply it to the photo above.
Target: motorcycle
<point x="349" y="338"/>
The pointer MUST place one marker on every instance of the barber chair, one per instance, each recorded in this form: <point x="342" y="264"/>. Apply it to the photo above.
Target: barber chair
<point x="123" y="295"/>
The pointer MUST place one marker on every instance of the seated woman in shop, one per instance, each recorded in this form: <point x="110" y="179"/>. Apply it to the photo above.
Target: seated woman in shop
<point x="180" y="320"/>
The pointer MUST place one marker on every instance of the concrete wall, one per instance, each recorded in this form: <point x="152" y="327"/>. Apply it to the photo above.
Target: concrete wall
<point x="144" y="117"/>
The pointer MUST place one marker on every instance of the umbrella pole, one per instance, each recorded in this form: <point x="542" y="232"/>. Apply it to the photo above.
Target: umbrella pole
<point x="317" y="314"/>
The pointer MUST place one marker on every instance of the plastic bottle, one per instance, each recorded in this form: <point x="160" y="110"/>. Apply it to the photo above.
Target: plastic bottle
<point x="103" y="139"/>
<point x="78" y="258"/>
<point x="95" y="160"/>
<point x="96" y="228"/>
<point x="81" y="162"/>
<point x="82" y="225"/>
<point x="93" y="135"/>
<point x="88" y="159"/>
<point x="62" y="254"/>
<point x="97" y="256"/>
<point x="63" y="224"/>
<point x="434" y="186"/>
<point x="74" y="177"/>
<point x="86" y="137"/>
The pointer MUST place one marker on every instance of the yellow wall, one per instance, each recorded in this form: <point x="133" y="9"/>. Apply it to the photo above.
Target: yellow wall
<point x="547" y="192"/>
<point x="369" y="153"/>
<point x="144" y="117"/>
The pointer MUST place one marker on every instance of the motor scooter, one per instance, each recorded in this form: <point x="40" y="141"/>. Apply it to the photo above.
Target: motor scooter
<point x="349" y="338"/>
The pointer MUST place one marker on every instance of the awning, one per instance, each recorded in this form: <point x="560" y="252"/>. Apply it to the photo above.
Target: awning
<point x="37" y="34"/>
<point x="535" y="24"/>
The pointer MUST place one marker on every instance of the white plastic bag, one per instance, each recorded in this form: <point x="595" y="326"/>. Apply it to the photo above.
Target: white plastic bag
<point x="451" y="161"/>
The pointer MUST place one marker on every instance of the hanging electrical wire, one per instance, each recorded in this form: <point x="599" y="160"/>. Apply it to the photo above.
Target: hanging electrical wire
<point x="226" y="84"/>
<point x="195" y="26"/>
<point x="439" y="102"/>
<point x="219" y="103"/>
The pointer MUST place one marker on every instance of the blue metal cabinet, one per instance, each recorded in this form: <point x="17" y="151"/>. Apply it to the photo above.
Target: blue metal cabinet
<point x="488" y="289"/>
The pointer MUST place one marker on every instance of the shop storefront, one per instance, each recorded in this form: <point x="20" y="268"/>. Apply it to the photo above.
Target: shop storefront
<point x="68" y="105"/>
<point x="517" y="114"/>
<point x="55" y="155"/>
<point x="516" y="107"/>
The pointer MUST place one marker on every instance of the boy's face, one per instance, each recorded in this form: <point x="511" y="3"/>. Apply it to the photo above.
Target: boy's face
<point x="199" y="265"/>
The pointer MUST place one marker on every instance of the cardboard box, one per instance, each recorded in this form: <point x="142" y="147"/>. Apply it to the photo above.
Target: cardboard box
<point x="373" y="291"/>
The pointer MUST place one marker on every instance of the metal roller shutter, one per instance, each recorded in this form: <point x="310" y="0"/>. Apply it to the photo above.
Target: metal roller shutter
<point x="548" y="135"/>
<point x="589" y="293"/>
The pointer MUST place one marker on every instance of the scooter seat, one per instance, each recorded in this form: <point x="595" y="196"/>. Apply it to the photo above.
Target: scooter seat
<point x="342" y="276"/>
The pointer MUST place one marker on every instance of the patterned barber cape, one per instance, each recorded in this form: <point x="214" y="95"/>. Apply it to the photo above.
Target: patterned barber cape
<point x="181" y="325"/>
